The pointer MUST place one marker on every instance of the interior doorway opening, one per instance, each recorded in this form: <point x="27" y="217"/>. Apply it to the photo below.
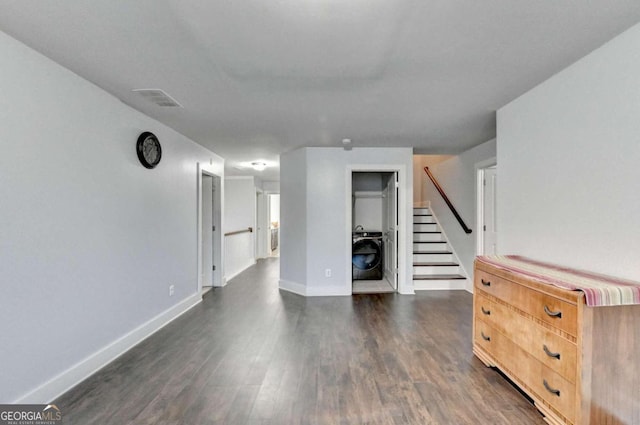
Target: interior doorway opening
<point x="274" y="224"/>
<point x="210" y="255"/>
<point x="487" y="183"/>
<point x="374" y="224"/>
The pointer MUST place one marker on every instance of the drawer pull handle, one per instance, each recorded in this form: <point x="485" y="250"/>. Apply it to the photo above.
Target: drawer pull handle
<point x="485" y="282"/>
<point x="486" y="338"/>
<point x="551" y="390"/>
<point x="485" y="312"/>
<point x="549" y="353"/>
<point x="557" y="314"/>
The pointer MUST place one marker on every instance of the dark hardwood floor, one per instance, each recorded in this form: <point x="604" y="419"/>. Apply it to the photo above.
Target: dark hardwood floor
<point x="251" y="354"/>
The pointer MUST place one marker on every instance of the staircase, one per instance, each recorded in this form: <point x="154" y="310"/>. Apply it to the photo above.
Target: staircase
<point x="434" y="263"/>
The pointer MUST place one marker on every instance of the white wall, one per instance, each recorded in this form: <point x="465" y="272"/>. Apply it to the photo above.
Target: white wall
<point x="420" y="180"/>
<point x="207" y="234"/>
<point x="457" y="177"/>
<point x="327" y="242"/>
<point x="568" y="158"/>
<point x="368" y="213"/>
<point x="293" y="220"/>
<point x="90" y="239"/>
<point x="239" y="214"/>
<point x="367" y="206"/>
<point x="271" y="187"/>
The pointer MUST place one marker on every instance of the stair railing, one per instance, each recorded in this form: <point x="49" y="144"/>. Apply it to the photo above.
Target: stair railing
<point x="237" y="232"/>
<point x="447" y="201"/>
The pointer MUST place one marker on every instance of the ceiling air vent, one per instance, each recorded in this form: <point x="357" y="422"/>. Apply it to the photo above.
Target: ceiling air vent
<point x="159" y="97"/>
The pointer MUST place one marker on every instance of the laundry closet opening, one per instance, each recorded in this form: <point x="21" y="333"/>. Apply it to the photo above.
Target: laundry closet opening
<point x="374" y="224"/>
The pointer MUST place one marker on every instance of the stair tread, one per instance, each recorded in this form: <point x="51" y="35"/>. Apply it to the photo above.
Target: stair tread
<point x="432" y="232"/>
<point x="437" y="276"/>
<point x="432" y="252"/>
<point x="423" y="215"/>
<point x="429" y="241"/>
<point x="435" y="263"/>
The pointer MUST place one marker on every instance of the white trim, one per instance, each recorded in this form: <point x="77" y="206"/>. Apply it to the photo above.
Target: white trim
<point x="77" y="373"/>
<point x="319" y="291"/>
<point x="329" y="291"/>
<point x="293" y="287"/>
<point x="405" y="223"/>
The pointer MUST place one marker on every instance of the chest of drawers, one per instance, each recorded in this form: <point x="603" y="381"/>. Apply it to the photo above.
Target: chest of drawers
<point x="579" y="364"/>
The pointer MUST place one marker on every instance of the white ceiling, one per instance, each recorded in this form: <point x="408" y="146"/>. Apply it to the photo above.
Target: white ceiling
<point x="261" y="77"/>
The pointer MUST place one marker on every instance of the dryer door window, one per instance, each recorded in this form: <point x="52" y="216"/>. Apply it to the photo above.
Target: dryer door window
<point x="366" y="254"/>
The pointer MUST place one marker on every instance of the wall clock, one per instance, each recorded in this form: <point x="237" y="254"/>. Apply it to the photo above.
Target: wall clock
<point x="148" y="149"/>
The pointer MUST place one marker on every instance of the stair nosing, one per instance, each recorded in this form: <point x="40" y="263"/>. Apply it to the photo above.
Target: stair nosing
<point x="438" y="277"/>
<point x="435" y="264"/>
<point x="433" y="252"/>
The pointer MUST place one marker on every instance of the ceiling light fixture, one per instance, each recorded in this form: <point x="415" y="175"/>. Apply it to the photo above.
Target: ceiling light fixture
<point x="258" y="166"/>
<point x="347" y="144"/>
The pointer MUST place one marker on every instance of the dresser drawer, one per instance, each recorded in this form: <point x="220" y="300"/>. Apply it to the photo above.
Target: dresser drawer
<point x="482" y="307"/>
<point x="528" y="372"/>
<point x="554" y="311"/>
<point x="483" y="336"/>
<point x="552" y="350"/>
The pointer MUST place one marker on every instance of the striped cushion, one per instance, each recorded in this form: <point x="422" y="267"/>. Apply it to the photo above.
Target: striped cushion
<point x="599" y="290"/>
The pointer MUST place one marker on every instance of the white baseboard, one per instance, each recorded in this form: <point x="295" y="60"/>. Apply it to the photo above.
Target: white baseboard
<point x="407" y="291"/>
<point x="305" y="291"/>
<point x="328" y="291"/>
<point x="77" y="373"/>
<point x="293" y="287"/>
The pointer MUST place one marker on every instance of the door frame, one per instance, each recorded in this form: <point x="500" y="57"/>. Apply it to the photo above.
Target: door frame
<point x="218" y="245"/>
<point x="396" y="228"/>
<point x="261" y="225"/>
<point x="480" y="168"/>
<point x="405" y="285"/>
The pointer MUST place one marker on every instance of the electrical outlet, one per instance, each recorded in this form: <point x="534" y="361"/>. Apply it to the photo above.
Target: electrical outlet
<point x="172" y="289"/>
<point x="327" y="273"/>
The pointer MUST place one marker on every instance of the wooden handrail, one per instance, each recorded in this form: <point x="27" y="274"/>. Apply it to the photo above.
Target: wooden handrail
<point x="237" y="232"/>
<point x="446" y="199"/>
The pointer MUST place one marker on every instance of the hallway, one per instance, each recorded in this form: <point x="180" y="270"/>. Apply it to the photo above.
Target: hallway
<point x="251" y="354"/>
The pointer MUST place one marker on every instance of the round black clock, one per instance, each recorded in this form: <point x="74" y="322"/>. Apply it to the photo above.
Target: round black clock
<point x="149" y="149"/>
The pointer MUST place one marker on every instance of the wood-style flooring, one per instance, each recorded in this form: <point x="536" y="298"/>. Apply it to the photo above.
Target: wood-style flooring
<point x="251" y="354"/>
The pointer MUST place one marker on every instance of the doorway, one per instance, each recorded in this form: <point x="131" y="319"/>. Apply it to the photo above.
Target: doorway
<point x="209" y="236"/>
<point x="262" y="225"/>
<point x="374" y="224"/>
<point x="487" y="182"/>
<point x="274" y="224"/>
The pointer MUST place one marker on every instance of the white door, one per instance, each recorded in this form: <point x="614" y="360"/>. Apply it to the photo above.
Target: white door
<point x="207" y="230"/>
<point x="489" y="211"/>
<point x="262" y="225"/>
<point x="391" y="231"/>
<point x="216" y="234"/>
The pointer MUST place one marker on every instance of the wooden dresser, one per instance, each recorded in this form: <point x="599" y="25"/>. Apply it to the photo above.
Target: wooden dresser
<point x="579" y="364"/>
